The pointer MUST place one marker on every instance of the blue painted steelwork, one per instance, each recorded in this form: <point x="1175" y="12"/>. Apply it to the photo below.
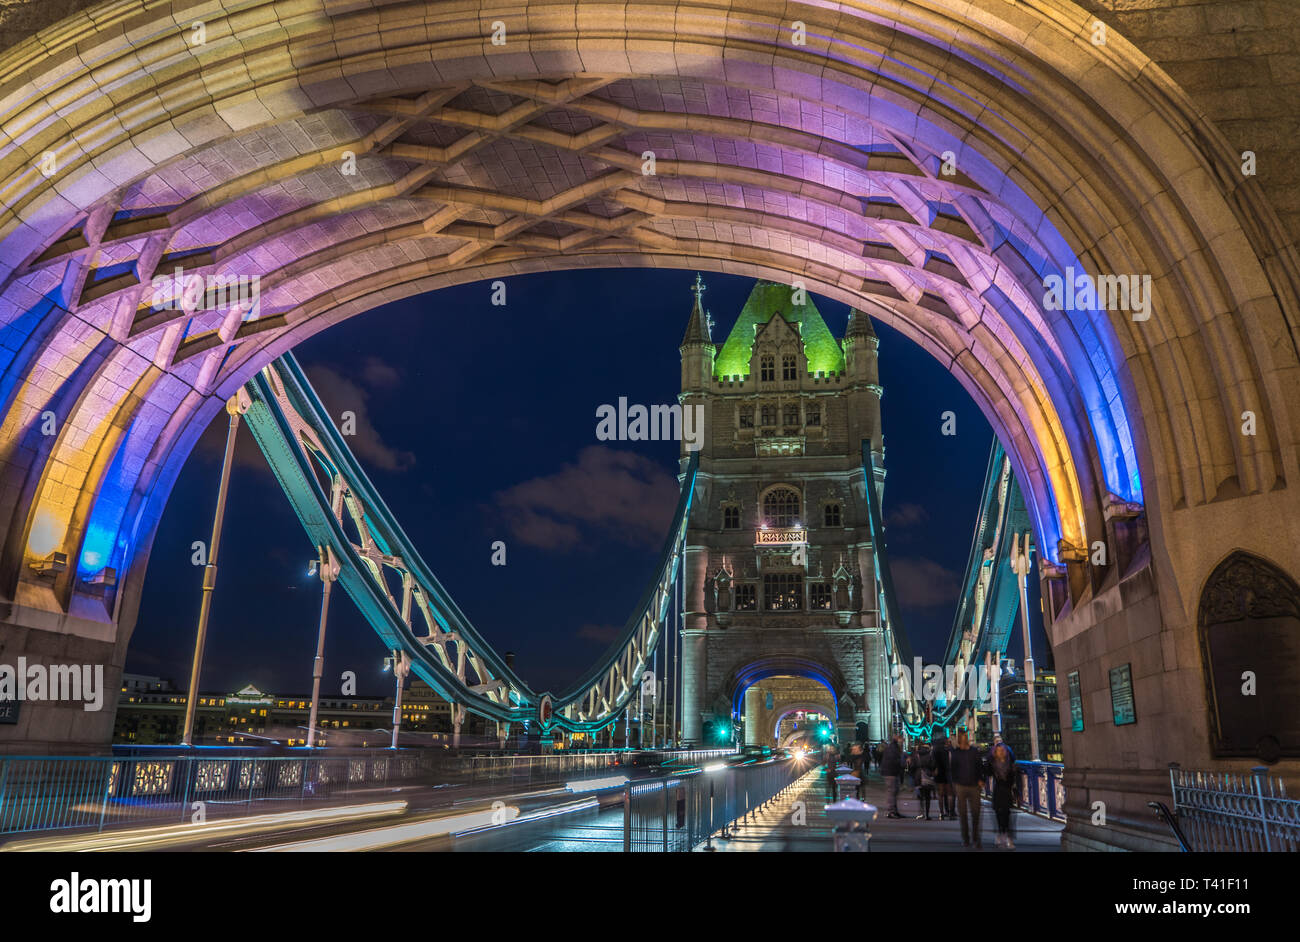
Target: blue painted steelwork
<point x="331" y="494"/>
<point x="986" y="610"/>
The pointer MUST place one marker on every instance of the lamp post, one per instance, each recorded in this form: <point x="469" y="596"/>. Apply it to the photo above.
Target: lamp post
<point x="400" y="664"/>
<point x="236" y="406"/>
<point x="1020" y="566"/>
<point x="327" y="567"/>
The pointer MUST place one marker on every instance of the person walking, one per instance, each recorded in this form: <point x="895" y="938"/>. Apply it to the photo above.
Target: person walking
<point x="1006" y="787"/>
<point x="921" y="765"/>
<point x="891" y="769"/>
<point x="942" y="750"/>
<point x="967" y="766"/>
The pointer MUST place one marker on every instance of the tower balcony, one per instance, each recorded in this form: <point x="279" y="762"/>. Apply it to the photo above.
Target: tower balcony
<point x="778" y="446"/>
<point x="780" y="536"/>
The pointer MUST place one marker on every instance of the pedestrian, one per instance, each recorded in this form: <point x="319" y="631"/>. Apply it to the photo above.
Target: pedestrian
<point x="967" y="767"/>
<point x="942" y="750"/>
<point x="921" y="765"/>
<point x="891" y="769"/>
<point x="832" y="762"/>
<point x="1006" y="787"/>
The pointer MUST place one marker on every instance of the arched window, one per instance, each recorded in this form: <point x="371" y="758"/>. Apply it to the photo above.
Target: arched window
<point x="1249" y="626"/>
<point x="781" y="507"/>
<point x="789" y="367"/>
<point x="767" y="368"/>
<point x="831" y="515"/>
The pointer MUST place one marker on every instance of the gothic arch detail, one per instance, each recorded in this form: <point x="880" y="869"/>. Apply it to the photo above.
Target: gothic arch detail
<point x="1249" y="631"/>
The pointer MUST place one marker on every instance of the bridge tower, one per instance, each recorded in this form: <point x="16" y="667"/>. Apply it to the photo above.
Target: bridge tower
<point x="781" y="603"/>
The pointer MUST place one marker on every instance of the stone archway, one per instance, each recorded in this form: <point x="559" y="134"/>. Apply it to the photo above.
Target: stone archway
<point x="1249" y="630"/>
<point x="134" y="151"/>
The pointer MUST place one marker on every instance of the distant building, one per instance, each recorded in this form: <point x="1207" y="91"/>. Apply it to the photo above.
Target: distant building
<point x="151" y="711"/>
<point x="1014" y="702"/>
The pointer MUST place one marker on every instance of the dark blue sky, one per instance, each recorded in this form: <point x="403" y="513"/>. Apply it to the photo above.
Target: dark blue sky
<point x="477" y="423"/>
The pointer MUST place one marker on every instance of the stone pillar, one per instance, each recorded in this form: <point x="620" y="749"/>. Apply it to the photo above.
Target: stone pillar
<point x="694" y="679"/>
<point x="754" y="733"/>
<point x="96" y="649"/>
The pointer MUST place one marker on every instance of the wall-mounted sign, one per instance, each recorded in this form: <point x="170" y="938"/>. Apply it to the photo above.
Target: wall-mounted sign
<point x="1121" y="695"/>
<point x="1076" y="702"/>
<point x="9" y="711"/>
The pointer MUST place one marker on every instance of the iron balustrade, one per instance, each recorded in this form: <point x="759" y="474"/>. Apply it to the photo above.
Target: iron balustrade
<point x="1228" y="811"/>
<point x="98" y="792"/>
<point x="680" y="812"/>
<point x="669" y="813"/>
<point x="1042" y="788"/>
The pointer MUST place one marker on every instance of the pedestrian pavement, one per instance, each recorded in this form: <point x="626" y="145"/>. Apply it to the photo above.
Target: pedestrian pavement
<point x="785" y="826"/>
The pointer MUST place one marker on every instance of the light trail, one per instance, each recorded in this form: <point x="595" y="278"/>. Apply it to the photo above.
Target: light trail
<point x="156" y="838"/>
<point x="379" y="838"/>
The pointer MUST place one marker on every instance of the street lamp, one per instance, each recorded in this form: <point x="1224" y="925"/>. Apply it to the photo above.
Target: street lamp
<point x="1020" y="566"/>
<point x="400" y="665"/>
<point x="327" y="567"/>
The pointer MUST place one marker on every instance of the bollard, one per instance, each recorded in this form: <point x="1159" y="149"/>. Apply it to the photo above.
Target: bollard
<point x="852" y="820"/>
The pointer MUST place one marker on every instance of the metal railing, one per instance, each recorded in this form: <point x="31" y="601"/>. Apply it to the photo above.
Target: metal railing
<point x="41" y="794"/>
<point x="63" y="792"/>
<point x="1042" y="788"/>
<point x="674" y="813"/>
<point x="680" y="812"/>
<point x="1225" y="811"/>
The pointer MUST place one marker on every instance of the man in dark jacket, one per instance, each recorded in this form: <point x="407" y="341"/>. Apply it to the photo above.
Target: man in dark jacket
<point x="966" y="766"/>
<point x="943" y="777"/>
<point x="891" y="769"/>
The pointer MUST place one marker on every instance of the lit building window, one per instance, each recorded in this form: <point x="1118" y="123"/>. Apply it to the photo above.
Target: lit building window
<point x="782" y="591"/>
<point x="781" y="507"/>
<point x="746" y="597"/>
<point x="820" y="595"/>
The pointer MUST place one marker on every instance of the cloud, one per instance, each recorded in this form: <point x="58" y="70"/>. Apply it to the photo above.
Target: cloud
<point x="606" y="494"/>
<point x="340" y="394"/>
<point x="923" y="583"/>
<point x="605" y="634"/>
<point x="379" y="374"/>
<point x="906" y="515"/>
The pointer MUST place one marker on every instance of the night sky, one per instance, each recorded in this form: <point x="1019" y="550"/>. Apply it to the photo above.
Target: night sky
<point x="477" y="423"/>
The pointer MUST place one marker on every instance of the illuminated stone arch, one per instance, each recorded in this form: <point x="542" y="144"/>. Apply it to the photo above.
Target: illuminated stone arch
<point x="821" y="163"/>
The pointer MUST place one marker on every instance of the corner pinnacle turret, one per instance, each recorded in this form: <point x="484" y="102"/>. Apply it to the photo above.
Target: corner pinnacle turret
<point x="699" y="327"/>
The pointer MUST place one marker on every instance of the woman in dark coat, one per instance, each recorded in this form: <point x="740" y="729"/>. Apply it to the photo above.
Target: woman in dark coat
<point x="921" y="764"/>
<point x="1006" y="786"/>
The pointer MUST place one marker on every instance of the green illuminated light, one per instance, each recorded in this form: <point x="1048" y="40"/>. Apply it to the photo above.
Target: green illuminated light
<point x="820" y="346"/>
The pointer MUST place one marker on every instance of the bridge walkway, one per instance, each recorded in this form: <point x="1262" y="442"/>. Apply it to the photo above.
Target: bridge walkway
<point x="774" y="830"/>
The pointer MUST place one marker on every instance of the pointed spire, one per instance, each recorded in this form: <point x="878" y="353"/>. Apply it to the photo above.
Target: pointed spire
<point x="699" y="327"/>
<point x="859" y="325"/>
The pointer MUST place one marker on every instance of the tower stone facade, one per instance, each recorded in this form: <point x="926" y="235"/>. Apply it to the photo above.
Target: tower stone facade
<point x="780" y="577"/>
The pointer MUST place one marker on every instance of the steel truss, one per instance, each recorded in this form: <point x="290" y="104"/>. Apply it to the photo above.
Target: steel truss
<point x="398" y="594"/>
